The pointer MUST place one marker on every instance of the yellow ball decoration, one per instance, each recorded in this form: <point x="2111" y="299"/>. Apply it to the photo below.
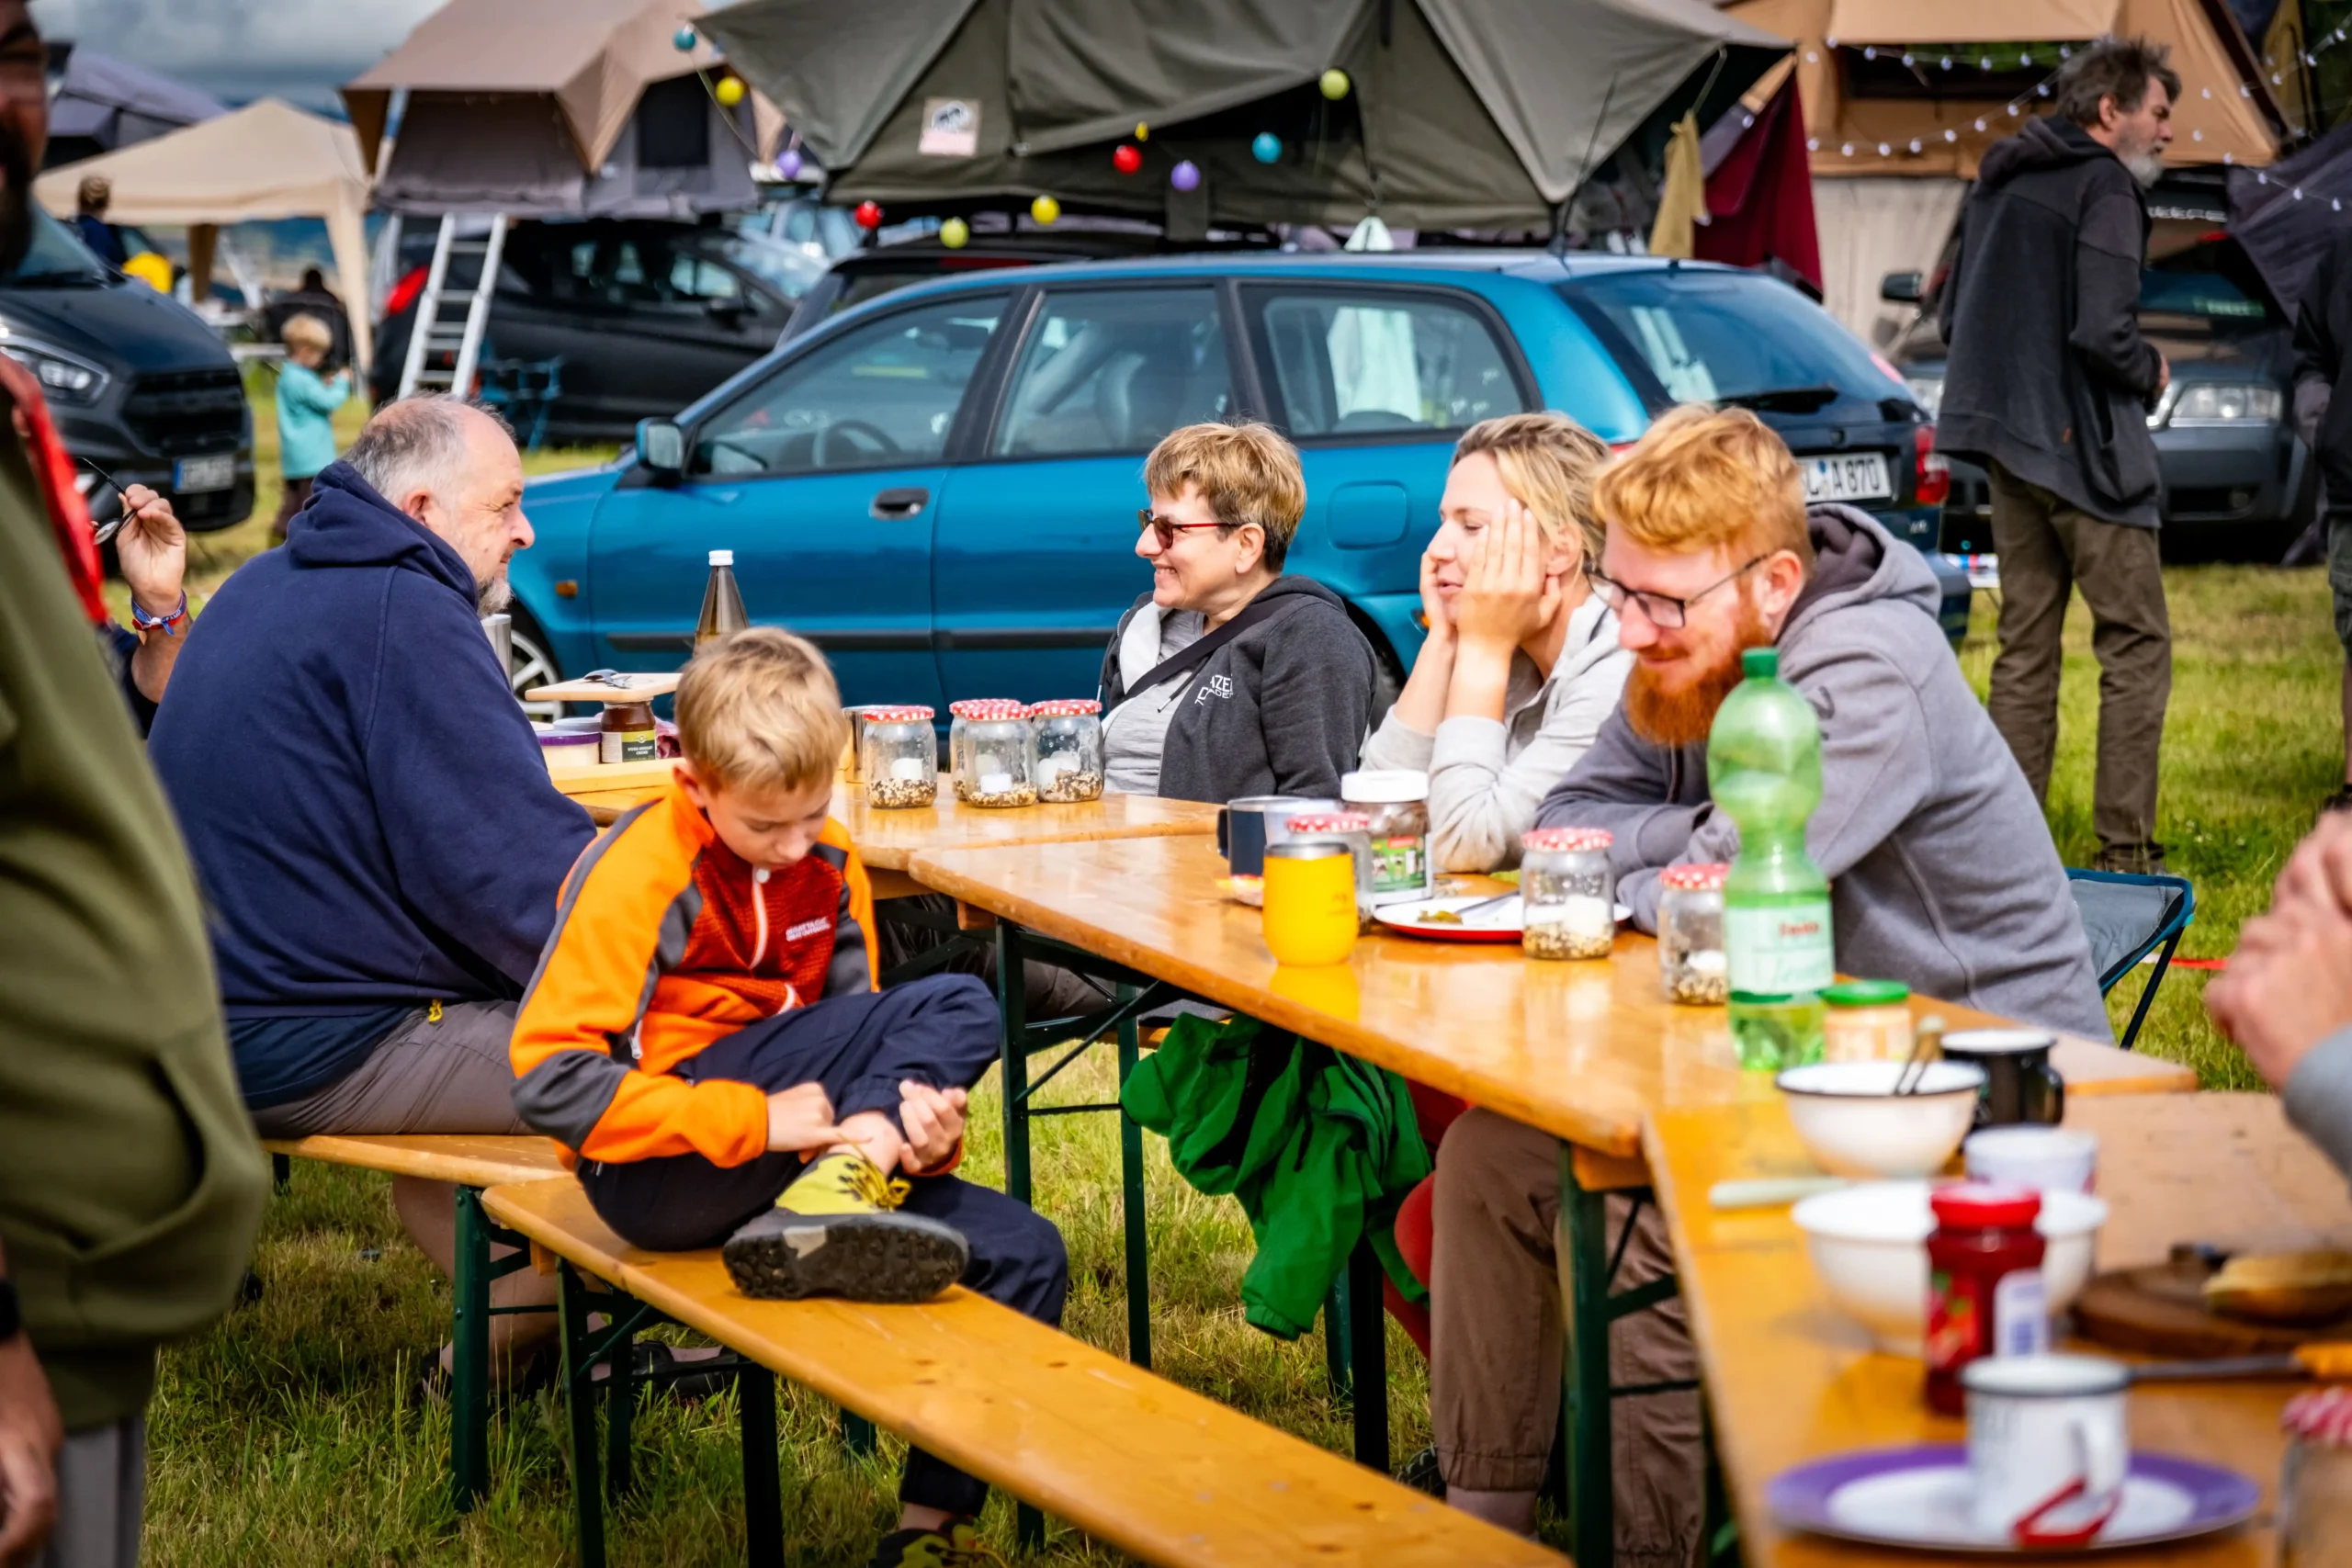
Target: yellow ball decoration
<point x="1044" y="210"/>
<point x="729" y="91"/>
<point x="1334" y="84"/>
<point x="954" y="233"/>
<point x="1143" y="132"/>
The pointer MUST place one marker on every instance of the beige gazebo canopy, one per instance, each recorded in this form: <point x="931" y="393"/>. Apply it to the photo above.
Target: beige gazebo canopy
<point x="267" y="160"/>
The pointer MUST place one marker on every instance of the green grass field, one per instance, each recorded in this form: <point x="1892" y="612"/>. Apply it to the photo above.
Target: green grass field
<point x="293" y="1433"/>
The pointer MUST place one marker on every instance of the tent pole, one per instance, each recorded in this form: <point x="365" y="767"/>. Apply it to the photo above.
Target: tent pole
<point x="201" y="240"/>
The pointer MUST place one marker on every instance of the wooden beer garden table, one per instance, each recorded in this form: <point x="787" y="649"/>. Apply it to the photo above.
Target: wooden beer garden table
<point x="1789" y="1379"/>
<point x="1584" y="1051"/>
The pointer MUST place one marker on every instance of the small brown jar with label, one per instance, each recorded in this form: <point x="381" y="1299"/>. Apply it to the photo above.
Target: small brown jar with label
<point x="628" y="734"/>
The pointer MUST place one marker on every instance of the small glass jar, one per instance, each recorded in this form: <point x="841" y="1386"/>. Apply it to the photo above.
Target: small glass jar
<point x="1397" y="802"/>
<point x="1000" y="754"/>
<point x="1984" y="1291"/>
<point x="1567" y="897"/>
<point x="1866" y="1021"/>
<point x="959" y="717"/>
<point x="900" y="759"/>
<point x="2315" y="1487"/>
<point x="627" y="734"/>
<point x="1069" y="751"/>
<point x="1352" y="829"/>
<point x="1691" y="934"/>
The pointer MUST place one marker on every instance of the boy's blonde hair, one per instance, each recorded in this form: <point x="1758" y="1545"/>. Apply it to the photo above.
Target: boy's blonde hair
<point x="760" y="710"/>
<point x="306" y="332"/>
<point x="1547" y="461"/>
<point x="1703" y="476"/>
<point x="1246" y="473"/>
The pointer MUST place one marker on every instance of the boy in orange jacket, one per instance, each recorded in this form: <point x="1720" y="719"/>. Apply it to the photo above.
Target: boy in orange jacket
<point x="703" y="1034"/>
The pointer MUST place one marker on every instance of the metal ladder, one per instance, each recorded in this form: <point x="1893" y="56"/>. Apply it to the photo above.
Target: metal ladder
<point x="431" y="332"/>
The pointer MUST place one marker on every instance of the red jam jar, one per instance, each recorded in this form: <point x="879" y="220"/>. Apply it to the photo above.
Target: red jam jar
<point x="1984" y="1291"/>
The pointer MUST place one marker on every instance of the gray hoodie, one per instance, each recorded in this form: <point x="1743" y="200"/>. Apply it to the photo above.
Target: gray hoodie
<point x="2318" y="1096"/>
<point x="1943" y="872"/>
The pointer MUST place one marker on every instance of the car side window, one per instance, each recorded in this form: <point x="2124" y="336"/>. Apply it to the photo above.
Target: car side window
<point x="883" y="394"/>
<point x="1354" y="364"/>
<point x="1109" y="370"/>
<point x="696" y="277"/>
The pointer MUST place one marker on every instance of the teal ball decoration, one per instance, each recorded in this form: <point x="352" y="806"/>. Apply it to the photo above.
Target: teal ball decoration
<point x="684" y="39"/>
<point x="1265" y="147"/>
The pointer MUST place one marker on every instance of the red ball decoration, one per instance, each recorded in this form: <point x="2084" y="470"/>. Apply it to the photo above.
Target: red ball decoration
<point x="1126" y="159"/>
<point x="868" y="215"/>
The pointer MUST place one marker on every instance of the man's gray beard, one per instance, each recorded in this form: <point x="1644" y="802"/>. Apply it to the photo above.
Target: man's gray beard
<point x="2147" y="167"/>
<point x="496" y="594"/>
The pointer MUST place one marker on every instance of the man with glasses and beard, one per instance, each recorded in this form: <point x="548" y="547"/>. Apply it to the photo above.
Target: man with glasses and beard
<point x="1942" y="875"/>
<point x="2049" y="385"/>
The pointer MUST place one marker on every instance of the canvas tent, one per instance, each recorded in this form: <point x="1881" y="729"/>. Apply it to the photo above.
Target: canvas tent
<point x="2287" y="216"/>
<point x="1462" y="114"/>
<point x="100" y="103"/>
<point x="265" y="161"/>
<point x="553" y="108"/>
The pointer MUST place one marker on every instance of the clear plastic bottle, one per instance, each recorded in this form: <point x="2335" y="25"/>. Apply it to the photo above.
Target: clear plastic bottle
<point x="1764" y="771"/>
<point x="722" y="602"/>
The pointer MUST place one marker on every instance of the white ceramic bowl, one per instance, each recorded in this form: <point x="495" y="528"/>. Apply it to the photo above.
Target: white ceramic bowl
<point x="1869" y="1245"/>
<point x="1851" y="1120"/>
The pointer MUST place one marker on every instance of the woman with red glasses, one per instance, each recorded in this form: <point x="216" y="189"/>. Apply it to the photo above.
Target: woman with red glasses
<point x="1230" y="678"/>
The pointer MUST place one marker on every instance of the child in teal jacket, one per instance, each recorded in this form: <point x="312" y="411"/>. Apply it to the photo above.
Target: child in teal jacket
<point x="306" y="405"/>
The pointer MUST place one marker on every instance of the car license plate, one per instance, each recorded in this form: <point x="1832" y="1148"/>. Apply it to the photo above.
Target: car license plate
<point x="1858" y="476"/>
<point x="195" y="474"/>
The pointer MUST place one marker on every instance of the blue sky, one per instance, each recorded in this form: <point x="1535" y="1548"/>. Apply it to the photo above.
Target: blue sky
<point x="237" y="50"/>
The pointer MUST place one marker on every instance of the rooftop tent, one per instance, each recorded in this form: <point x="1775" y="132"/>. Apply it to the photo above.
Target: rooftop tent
<point x="265" y="161"/>
<point x="2287" y="217"/>
<point x="1462" y="114"/>
<point x="554" y="108"/>
<point x="101" y="102"/>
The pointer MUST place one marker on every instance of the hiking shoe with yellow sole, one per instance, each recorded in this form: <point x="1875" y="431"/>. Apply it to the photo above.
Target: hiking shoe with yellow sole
<point x="837" y="1232"/>
<point x="956" y="1544"/>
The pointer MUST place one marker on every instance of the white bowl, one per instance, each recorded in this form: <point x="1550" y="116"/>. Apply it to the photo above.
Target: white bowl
<point x="1869" y="1245"/>
<point x="1851" y="1120"/>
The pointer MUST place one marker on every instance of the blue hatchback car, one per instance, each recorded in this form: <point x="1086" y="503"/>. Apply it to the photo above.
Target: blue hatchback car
<point x="939" y="486"/>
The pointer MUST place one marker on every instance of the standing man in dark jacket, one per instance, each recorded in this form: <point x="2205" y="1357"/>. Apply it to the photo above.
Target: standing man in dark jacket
<point x="2322" y="366"/>
<point x="372" y="823"/>
<point x="2048" y="386"/>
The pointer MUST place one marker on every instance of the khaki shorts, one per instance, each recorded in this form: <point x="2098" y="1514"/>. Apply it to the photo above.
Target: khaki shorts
<point x="2339" y="577"/>
<point x="453" y="1076"/>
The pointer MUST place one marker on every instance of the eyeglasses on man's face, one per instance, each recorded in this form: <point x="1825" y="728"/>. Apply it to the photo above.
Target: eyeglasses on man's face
<point x="1167" y="530"/>
<point x="1662" y="610"/>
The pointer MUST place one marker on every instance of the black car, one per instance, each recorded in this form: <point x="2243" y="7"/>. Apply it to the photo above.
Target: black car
<point x="2236" y="480"/>
<point x="140" y="387"/>
<point x="638" y="318"/>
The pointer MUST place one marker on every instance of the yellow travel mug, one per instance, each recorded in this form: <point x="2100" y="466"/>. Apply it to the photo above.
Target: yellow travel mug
<point x="1310" y="903"/>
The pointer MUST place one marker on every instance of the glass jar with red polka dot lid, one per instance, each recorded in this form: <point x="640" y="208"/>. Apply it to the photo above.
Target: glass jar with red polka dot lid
<point x="1000" y="758"/>
<point x="899" y="758"/>
<point x="1690" y="952"/>
<point x="1069" y="750"/>
<point x="960" y="716"/>
<point x="1567" y="899"/>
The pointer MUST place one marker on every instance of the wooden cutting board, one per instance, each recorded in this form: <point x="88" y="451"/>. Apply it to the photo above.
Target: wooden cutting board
<point x="2159" y="1310"/>
<point x="643" y="687"/>
<point x="594" y="778"/>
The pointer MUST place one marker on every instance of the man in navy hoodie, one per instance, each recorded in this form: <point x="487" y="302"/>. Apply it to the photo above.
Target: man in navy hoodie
<point x="372" y="825"/>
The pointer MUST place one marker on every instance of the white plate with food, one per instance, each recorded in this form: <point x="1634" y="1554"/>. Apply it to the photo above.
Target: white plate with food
<point x="1474" y="916"/>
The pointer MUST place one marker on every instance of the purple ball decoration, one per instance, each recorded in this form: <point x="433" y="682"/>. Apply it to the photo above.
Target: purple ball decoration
<point x="787" y="164"/>
<point x="684" y="40"/>
<point x="1185" y="175"/>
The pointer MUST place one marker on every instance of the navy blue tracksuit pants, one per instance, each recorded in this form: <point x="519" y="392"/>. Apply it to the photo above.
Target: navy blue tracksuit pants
<point x="941" y="1030"/>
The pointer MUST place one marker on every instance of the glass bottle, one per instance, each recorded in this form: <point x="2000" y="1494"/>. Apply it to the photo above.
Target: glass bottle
<point x="722" y="602"/>
<point x="1764" y="771"/>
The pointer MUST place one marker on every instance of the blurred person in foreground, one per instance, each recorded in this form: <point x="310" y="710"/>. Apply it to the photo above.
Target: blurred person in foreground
<point x="2324" y="364"/>
<point x="2286" y="998"/>
<point x="130" y="1186"/>
<point x="2048" y="385"/>
<point x="306" y="405"/>
<point x="1942" y="875"/>
<point x="374" y="830"/>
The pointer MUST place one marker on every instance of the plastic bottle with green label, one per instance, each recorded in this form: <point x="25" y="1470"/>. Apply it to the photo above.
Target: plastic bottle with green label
<point x="1764" y="771"/>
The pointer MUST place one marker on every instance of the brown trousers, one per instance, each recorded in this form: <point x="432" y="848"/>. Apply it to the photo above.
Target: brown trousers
<point x="2048" y="548"/>
<point x="1495" y="1293"/>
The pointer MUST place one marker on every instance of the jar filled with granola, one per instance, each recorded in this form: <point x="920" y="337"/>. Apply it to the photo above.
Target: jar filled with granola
<point x="1002" y="754"/>
<point x="1397" y="802"/>
<point x="1069" y="751"/>
<point x="959" y="719"/>
<point x="1350" y="828"/>
<point x="2315" y="1490"/>
<point x="1691" y="934"/>
<point x="1567" y="897"/>
<point x="898" y="760"/>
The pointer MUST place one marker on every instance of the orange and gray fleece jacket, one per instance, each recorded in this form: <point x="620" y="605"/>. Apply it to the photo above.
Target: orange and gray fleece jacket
<point x="665" y="942"/>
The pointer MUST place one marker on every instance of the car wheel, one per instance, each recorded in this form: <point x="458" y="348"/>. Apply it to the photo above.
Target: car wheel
<point x="529" y="665"/>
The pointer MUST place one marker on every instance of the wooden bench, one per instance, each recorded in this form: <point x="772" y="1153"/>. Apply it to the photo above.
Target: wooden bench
<point x="1154" y="1470"/>
<point x="472" y="1161"/>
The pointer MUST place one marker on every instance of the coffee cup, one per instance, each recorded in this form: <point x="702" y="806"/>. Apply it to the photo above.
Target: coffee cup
<point x="2020" y="1086"/>
<point x="2047" y="1447"/>
<point x="1245" y="827"/>
<point x="2036" y="1156"/>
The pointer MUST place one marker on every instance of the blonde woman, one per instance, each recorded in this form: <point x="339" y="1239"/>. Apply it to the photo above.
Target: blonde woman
<point x="1521" y="663"/>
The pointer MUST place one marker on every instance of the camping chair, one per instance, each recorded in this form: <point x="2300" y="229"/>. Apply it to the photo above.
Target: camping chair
<point x="524" y="389"/>
<point x="2127" y="916"/>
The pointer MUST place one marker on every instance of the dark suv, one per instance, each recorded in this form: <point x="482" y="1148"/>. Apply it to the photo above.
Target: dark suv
<point x="138" y="385"/>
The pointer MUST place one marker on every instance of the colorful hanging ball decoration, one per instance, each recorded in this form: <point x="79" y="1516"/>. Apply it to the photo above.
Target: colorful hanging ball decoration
<point x="954" y="233"/>
<point x="684" y="40"/>
<point x="1334" y="84"/>
<point x="1143" y="130"/>
<point x="729" y="92"/>
<point x="1126" y="158"/>
<point x="1044" y="210"/>
<point x="1185" y="175"/>
<point x="1265" y="147"/>
<point x="867" y="215"/>
<point x="789" y="164"/>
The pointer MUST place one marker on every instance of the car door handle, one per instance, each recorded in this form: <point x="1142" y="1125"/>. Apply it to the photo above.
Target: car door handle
<point x="897" y="505"/>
